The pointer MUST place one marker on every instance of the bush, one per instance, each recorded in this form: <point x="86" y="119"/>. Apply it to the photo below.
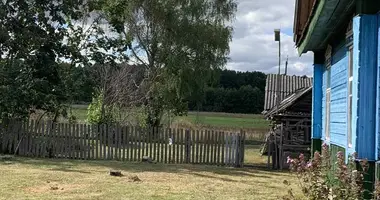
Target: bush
<point x="94" y="111"/>
<point x="319" y="178"/>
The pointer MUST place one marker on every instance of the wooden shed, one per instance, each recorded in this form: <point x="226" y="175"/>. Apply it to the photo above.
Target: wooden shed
<point x="291" y="118"/>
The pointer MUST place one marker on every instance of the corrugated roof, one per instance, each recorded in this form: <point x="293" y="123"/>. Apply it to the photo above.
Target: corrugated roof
<point x="290" y="100"/>
<point x="288" y="86"/>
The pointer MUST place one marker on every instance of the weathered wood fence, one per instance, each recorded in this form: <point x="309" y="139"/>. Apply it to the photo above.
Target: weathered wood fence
<point x="123" y="143"/>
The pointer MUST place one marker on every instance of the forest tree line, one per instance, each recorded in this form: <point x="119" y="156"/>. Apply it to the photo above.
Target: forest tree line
<point x="230" y="92"/>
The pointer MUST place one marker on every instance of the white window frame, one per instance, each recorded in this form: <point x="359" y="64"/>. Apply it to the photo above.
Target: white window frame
<point x="349" y="99"/>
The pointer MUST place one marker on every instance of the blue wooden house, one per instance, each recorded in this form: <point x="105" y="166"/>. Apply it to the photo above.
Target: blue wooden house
<point x="344" y="36"/>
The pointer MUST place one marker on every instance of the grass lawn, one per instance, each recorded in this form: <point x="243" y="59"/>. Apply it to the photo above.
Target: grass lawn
<point x="207" y="119"/>
<point x="24" y="178"/>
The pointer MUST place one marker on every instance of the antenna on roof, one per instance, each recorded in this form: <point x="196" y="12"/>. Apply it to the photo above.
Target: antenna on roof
<point x="286" y="65"/>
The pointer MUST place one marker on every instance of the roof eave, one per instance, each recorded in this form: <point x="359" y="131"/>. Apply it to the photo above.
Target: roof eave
<point x="323" y="24"/>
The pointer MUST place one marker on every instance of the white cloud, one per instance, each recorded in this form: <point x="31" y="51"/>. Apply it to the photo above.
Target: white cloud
<point x="253" y="47"/>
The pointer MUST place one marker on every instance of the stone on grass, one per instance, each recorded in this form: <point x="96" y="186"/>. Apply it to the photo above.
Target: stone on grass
<point x="135" y="178"/>
<point x="115" y="173"/>
<point x="147" y="159"/>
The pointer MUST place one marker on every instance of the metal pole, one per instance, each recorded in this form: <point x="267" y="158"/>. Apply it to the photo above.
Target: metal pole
<point x="279" y="56"/>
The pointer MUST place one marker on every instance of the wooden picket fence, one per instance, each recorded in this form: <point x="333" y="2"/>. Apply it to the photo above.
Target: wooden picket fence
<point x="123" y="143"/>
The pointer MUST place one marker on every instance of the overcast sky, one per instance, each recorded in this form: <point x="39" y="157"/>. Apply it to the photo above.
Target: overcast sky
<point x="253" y="47"/>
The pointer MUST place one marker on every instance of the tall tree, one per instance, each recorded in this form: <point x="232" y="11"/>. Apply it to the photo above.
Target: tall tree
<point x="35" y="37"/>
<point x="177" y="42"/>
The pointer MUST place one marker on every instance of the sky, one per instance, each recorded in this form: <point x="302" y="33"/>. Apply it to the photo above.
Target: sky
<point x="253" y="47"/>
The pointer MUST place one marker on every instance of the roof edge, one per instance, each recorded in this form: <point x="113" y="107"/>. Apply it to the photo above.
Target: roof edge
<point x="310" y="28"/>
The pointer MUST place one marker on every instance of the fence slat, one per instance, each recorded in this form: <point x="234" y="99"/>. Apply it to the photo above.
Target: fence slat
<point x="128" y="138"/>
<point x="135" y="134"/>
<point x="119" y="146"/>
<point x="151" y="146"/>
<point x="222" y="142"/>
<point x="162" y="143"/>
<point x="212" y="138"/>
<point x="36" y="139"/>
<point x="154" y="140"/>
<point x="219" y="134"/>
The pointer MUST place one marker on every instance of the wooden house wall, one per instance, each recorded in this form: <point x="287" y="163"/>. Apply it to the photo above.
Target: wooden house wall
<point x="338" y="96"/>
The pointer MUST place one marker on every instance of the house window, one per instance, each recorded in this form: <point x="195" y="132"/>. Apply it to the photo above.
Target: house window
<point x="349" y="112"/>
<point x="328" y="101"/>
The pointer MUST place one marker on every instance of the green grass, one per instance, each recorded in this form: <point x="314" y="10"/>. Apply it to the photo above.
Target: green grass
<point x="204" y="119"/>
<point x="227" y="121"/>
<point x="26" y="178"/>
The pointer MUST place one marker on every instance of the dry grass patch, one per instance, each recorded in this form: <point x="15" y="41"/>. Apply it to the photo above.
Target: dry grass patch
<point x="25" y="178"/>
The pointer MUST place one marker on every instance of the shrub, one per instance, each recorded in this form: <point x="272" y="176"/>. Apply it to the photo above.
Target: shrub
<point x="319" y="178"/>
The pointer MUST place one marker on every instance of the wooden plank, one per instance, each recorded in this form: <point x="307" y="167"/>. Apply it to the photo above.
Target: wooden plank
<point x="80" y="141"/>
<point x="115" y="142"/>
<point x="96" y="136"/>
<point x="162" y="144"/>
<point x="49" y="146"/>
<point x="128" y="136"/>
<point x="154" y="140"/>
<point x="212" y="147"/>
<point x="174" y="140"/>
<point x="178" y="144"/>
<point x="119" y="142"/>
<point x="77" y="141"/>
<point x="158" y="141"/>
<point x="144" y="139"/>
<point x="196" y="146"/>
<point x="135" y="146"/>
<point x="72" y="141"/>
<point x="150" y="142"/>
<point x="166" y="136"/>
<point x="62" y="140"/>
<point x="182" y="146"/>
<point x="36" y="138"/>
<point x="215" y="145"/>
<point x="110" y="142"/>
<point x="86" y="150"/>
<point x="104" y="141"/>
<point x="138" y="143"/>
<point x="123" y="133"/>
<point x="170" y="146"/>
<point x="103" y="148"/>
<point x="21" y="139"/>
<point x="66" y="144"/>
<point x="222" y="142"/>
<point x="58" y="138"/>
<point x="218" y="148"/>
<point x="90" y="147"/>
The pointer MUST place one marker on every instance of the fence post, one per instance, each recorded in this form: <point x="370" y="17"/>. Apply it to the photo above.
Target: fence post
<point x="188" y="146"/>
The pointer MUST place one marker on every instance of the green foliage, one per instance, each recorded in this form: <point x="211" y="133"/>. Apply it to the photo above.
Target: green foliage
<point x="180" y="40"/>
<point x="35" y="38"/>
<point x="97" y="112"/>
<point x="319" y="178"/>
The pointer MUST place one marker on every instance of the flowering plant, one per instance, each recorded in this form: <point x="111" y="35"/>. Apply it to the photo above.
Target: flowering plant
<point x="320" y="179"/>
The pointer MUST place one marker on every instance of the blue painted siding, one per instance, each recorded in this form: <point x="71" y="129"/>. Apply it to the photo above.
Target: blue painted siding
<point x="338" y="106"/>
<point x="324" y="78"/>
<point x="378" y="94"/>
<point x="365" y="30"/>
<point x="317" y="102"/>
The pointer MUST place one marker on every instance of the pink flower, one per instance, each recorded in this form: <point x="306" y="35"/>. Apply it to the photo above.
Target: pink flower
<point x="289" y="160"/>
<point x="301" y="157"/>
<point x="309" y="164"/>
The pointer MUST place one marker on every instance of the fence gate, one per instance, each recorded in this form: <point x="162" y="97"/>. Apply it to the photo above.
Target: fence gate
<point x="123" y="143"/>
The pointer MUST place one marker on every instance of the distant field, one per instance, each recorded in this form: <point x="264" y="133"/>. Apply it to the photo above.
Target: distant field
<point x="208" y="119"/>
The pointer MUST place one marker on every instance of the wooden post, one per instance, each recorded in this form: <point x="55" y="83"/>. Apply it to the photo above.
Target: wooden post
<point x="187" y="147"/>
